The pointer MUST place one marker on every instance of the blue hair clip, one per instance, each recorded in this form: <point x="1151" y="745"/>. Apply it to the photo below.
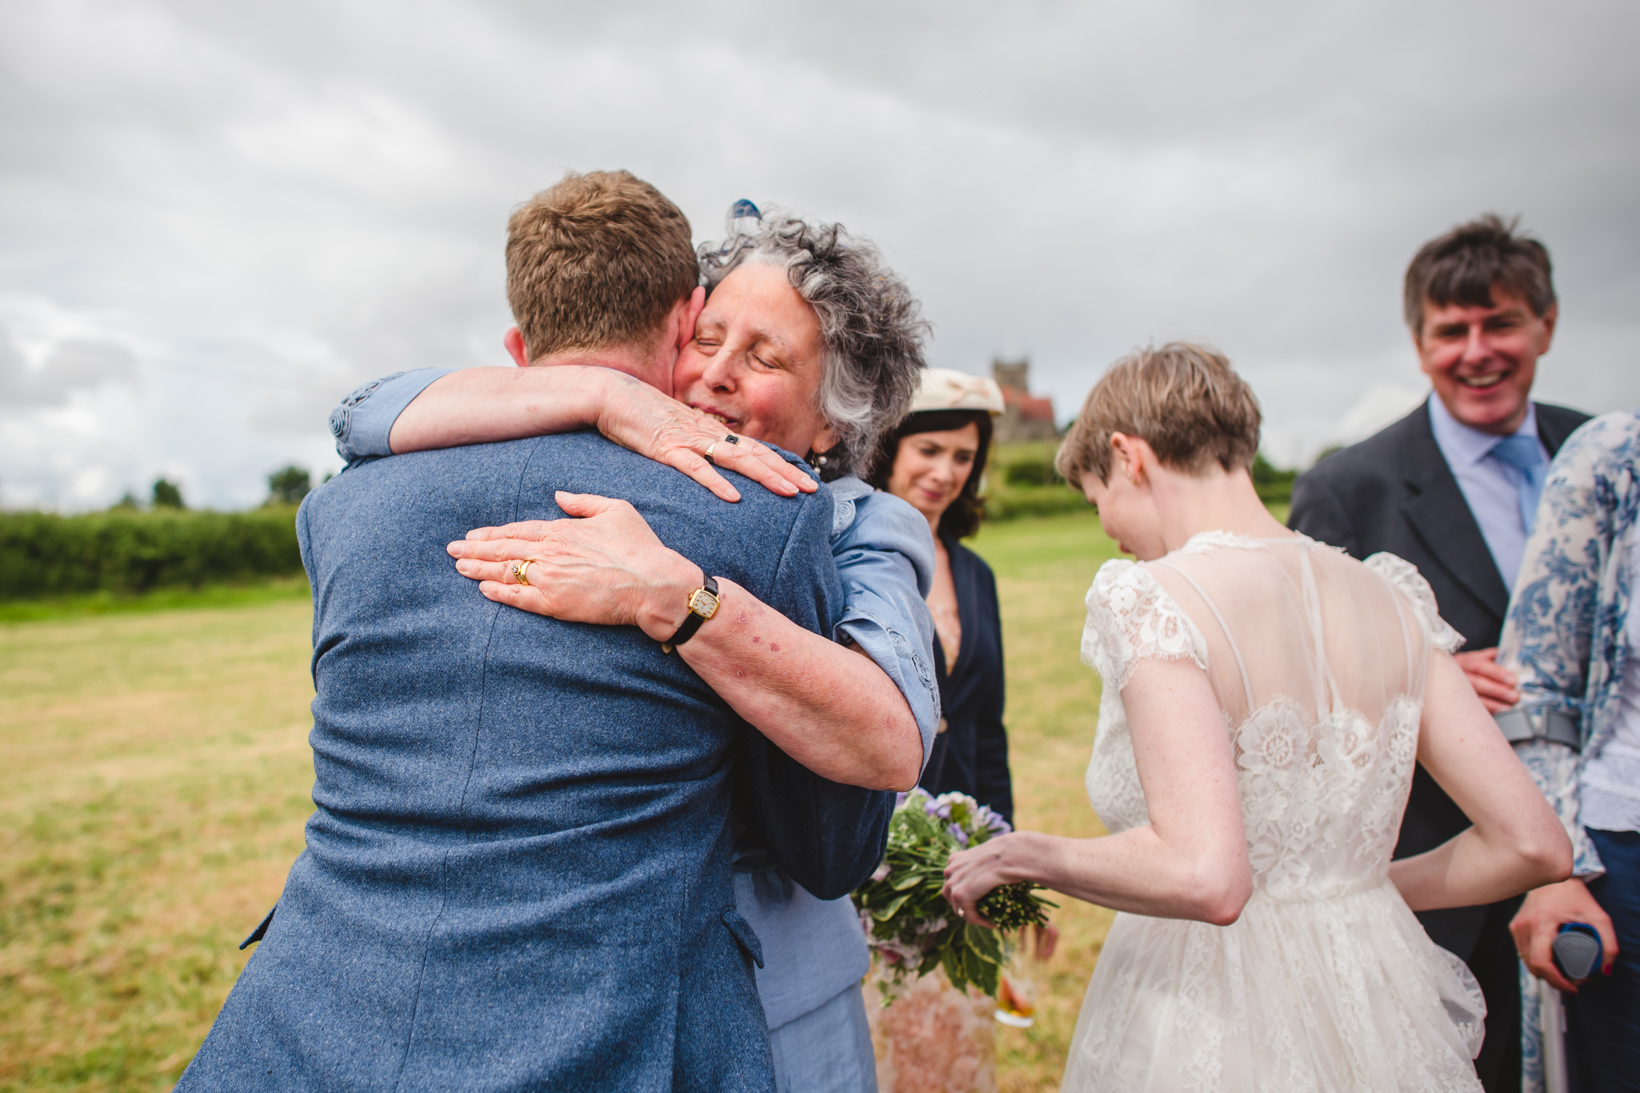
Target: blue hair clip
<point x="740" y="229"/>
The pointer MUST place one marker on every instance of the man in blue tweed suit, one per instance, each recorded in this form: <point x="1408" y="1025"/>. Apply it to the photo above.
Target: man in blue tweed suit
<point x="518" y="875"/>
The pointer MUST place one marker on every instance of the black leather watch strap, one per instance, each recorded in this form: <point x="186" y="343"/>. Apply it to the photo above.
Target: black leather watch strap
<point x="692" y="621"/>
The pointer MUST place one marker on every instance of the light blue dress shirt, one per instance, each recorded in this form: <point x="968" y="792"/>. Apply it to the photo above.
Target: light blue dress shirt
<point x="1490" y="485"/>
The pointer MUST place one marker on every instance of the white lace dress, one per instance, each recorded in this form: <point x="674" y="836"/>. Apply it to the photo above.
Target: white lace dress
<point x="1326" y="981"/>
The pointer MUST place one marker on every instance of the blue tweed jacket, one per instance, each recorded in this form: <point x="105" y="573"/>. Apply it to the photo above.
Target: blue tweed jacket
<point x="518" y="873"/>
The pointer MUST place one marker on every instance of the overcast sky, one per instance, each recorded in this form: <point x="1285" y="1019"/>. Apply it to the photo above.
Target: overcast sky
<point x="215" y="219"/>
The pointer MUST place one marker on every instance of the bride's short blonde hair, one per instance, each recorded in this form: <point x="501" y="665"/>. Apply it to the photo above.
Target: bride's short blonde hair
<point x="1183" y="399"/>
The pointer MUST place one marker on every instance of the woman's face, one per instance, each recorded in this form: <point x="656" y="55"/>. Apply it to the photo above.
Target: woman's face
<point x="1126" y="511"/>
<point x="930" y="469"/>
<point x="757" y="360"/>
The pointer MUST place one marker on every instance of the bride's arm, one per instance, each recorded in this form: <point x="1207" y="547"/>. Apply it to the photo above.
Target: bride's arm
<point x="1189" y="862"/>
<point x="1515" y="843"/>
<point x="829" y="707"/>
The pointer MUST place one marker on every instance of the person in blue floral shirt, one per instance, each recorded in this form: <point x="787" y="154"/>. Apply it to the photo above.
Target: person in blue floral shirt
<point x="1572" y="640"/>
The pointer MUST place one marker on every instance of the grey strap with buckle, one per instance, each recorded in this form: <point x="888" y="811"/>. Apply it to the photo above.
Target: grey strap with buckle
<point x="1521" y="725"/>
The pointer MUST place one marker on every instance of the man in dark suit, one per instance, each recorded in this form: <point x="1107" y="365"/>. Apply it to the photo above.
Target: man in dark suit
<point x="1452" y="488"/>
<point x="519" y="872"/>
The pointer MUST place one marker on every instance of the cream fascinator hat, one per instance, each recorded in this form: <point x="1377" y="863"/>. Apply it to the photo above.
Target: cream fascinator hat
<point x="948" y="389"/>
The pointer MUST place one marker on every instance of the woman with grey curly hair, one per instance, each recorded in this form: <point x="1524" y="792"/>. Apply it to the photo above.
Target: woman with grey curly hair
<point x="869" y="323"/>
<point x="807" y="341"/>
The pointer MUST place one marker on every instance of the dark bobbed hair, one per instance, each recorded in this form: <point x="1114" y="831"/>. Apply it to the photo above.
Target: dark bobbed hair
<point x="1467" y="263"/>
<point x="962" y="518"/>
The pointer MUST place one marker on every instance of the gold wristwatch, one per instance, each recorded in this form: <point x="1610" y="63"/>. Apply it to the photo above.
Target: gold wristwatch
<point x="703" y="604"/>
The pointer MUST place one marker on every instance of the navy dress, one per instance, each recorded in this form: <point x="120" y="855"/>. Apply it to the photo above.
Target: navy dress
<point x="970" y="754"/>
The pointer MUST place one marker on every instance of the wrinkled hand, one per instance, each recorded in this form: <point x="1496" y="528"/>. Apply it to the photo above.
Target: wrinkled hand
<point x="603" y="565"/>
<point x="641" y="419"/>
<point x="970" y="874"/>
<point x="1494" y="684"/>
<point x="1537" y="924"/>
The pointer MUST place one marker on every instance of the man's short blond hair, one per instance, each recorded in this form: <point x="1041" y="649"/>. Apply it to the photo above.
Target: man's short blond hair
<point x="597" y="261"/>
<point x="1183" y="399"/>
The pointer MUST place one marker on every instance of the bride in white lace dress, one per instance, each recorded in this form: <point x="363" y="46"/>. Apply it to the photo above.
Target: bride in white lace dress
<point x="1265" y="699"/>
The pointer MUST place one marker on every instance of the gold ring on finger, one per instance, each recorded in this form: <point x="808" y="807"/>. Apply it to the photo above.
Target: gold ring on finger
<point x="709" y="448"/>
<point x="731" y="439"/>
<point x="521" y="570"/>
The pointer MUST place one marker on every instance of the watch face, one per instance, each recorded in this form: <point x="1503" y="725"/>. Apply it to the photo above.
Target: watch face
<point x="703" y="603"/>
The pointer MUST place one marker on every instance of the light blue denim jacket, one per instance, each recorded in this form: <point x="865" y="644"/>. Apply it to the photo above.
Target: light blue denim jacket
<point x="884" y="552"/>
<point x="1564" y="634"/>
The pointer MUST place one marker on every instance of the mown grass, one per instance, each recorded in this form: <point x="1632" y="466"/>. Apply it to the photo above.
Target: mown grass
<point x="267" y="590"/>
<point x="155" y="783"/>
<point x="157" y="777"/>
<point x="1043" y="568"/>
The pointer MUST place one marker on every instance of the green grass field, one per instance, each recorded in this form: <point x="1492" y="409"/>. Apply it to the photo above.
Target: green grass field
<point x="157" y="777"/>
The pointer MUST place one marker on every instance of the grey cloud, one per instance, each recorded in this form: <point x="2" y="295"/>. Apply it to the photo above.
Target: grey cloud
<point x="290" y="199"/>
<point x="73" y="365"/>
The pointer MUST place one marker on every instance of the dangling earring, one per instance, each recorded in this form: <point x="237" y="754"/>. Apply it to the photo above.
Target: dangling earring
<point x="822" y="465"/>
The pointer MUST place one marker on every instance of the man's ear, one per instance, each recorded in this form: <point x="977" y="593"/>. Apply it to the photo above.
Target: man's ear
<point x="514" y="341"/>
<point x="691" y="315"/>
<point x="1550" y="317"/>
<point x="685" y="313"/>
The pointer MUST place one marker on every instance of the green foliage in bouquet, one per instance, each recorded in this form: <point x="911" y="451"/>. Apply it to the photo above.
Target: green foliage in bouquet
<point x="909" y="923"/>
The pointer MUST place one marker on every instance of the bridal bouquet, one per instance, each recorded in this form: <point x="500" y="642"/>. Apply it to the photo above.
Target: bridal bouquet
<point x="908" y="922"/>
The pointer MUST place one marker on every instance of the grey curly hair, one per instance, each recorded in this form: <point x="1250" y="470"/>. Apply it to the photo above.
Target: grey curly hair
<point x="869" y="321"/>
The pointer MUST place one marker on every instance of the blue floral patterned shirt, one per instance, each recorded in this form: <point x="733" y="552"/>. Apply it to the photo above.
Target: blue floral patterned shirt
<point x="1565" y="635"/>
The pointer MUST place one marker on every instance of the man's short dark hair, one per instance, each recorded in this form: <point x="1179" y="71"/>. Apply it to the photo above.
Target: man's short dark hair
<point x="1467" y="263"/>
<point x="597" y="261"/>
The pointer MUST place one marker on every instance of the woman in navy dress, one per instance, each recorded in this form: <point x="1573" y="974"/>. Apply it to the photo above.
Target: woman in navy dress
<point x="935" y="460"/>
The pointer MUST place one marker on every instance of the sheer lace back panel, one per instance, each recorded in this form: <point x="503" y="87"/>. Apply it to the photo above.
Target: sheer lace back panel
<point x="1326" y="982"/>
<point x="1318" y="662"/>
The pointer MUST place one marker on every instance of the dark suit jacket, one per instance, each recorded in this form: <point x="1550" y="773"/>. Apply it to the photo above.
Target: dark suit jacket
<point x="970" y="754"/>
<point x="1394" y="492"/>
<point x="518" y="875"/>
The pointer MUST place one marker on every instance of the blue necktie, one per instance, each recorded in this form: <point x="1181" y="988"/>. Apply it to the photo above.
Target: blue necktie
<point x="1525" y="454"/>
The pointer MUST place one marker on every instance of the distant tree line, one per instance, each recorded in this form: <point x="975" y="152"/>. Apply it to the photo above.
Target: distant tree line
<point x="1022" y="481"/>
<point x="132" y="548"/>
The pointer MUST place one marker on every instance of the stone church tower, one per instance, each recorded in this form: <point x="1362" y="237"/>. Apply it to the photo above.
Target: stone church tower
<point x="1024" y="416"/>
